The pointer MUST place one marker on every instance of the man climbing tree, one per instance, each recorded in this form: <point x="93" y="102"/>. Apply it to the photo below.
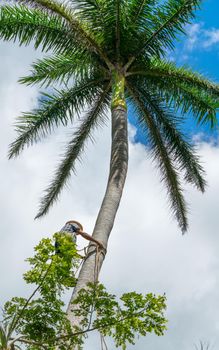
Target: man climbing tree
<point x="73" y="229"/>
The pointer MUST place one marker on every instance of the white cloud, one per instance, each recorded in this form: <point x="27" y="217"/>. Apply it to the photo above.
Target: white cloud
<point x="212" y="37"/>
<point x="199" y="37"/>
<point x="146" y="250"/>
<point x="193" y="33"/>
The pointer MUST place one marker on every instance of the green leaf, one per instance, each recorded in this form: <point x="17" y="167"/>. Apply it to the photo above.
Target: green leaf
<point x="95" y="116"/>
<point x="54" y="110"/>
<point x="169" y="173"/>
<point x="59" y="68"/>
<point x="23" y="24"/>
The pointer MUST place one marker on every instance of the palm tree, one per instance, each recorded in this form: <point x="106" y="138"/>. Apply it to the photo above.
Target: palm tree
<point x="110" y="55"/>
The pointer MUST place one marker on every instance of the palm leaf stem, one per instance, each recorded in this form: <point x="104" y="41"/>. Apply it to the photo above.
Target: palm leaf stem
<point x="118" y="29"/>
<point x="140" y="8"/>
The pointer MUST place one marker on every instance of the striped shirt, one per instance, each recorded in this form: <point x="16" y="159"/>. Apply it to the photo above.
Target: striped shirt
<point x="71" y="230"/>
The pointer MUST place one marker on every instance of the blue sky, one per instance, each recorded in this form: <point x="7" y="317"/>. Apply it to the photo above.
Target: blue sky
<point x="200" y="51"/>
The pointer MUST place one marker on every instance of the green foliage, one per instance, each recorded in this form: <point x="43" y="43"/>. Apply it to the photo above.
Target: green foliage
<point x="41" y="319"/>
<point x="89" y="41"/>
<point x="134" y="314"/>
<point x="167" y="20"/>
<point x="24" y="24"/>
<point x="54" y="110"/>
<point x="56" y="269"/>
<point x="40" y="322"/>
<point x="95" y="116"/>
<point x="160" y="151"/>
<point x="59" y="68"/>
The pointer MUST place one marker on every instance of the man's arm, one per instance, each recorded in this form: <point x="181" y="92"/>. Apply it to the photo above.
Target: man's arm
<point x="90" y="238"/>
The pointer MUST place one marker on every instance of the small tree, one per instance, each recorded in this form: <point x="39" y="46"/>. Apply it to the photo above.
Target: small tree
<point x="39" y="322"/>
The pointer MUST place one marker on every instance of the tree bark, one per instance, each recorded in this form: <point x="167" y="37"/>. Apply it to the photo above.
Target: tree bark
<point x="111" y="201"/>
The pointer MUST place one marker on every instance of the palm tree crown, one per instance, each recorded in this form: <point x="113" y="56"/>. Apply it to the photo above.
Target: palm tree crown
<point x="111" y="53"/>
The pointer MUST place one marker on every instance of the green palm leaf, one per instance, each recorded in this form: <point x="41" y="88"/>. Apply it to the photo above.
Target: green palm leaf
<point x="52" y="6"/>
<point x="164" y="23"/>
<point x="179" y="148"/>
<point x="187" y="99"/>
<point x="78" y="27"/>
<point x="48" y="31"/>
<point x="94" y="117"/>
<point x="139" y="8"/>
<point x="198" y="99"/>
<point x="54" y="110"/>
<point x="92" y="12"/>
<point x="25" y="25"/>
<point x="60" y="68"/>
<point x="165" y="70"/>
<point x="160" y="154"/>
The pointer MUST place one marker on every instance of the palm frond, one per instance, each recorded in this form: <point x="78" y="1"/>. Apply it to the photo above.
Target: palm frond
<point x="53" y="111"/>
<point x="22" y="24"/>
<point x="91" y="11"/>
<point x="52" y="6"/>
<point x="60" y="68"/>
<point x="166" y="20"/>
<point x="49" y="31"/>
<point x="203" y="107"/>
<point x="158" y="148"/>
<point x="77" y="25"/>
<point x="184" y="97"/>
<point x="180" y="150"/>
<point x="170" y="19"/>
<point x="6" y="331"/>
<point x="163" y="69"/>
<point x="139" y="10"/>
<point x="106" y="19"/>
<point x="93" y="119"/>
<point x="3" y="337"/>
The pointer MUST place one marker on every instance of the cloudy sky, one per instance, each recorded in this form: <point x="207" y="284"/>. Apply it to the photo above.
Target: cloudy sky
<point x="146" y="252"/>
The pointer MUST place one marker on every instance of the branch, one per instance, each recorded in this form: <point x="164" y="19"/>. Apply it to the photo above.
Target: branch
<point x="16" y="320"/>
<point x="117" y="29"/>
<point x="100" y="327"/>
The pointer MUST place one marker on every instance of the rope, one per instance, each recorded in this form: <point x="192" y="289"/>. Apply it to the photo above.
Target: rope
<point x="96" y="266"/>
<point x="103" y="342"/>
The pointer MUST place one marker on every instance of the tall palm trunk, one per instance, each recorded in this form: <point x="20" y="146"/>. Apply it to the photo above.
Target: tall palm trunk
<point x="118" y="170"/>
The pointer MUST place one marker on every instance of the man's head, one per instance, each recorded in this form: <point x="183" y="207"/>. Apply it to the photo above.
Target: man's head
<point x="76" y="223"/>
